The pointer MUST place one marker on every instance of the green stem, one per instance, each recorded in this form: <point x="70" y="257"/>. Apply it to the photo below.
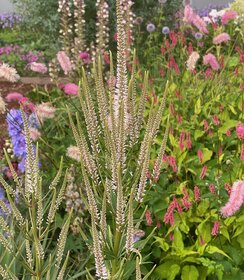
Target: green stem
<point x="116" y="251"/>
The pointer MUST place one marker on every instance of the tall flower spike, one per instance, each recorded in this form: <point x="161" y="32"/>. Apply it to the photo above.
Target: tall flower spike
<point x="120" y="205"/>
<point x="65" y="31"/>
<point x="130" y="227"/>
<point x="79" y="12"/>
<point x="138" y="269"/>
<point x="102" y="25"/>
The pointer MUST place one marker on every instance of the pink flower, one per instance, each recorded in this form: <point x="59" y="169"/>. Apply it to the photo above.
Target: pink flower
<point x="196" y="194"/>
<point x="188" y="141"/>
<point x="14" y="96"/>
<point x="172" y="163"/>
<point x="34" y="133"/>
<point x="182" y="139"/>
<point x="71" y="89"/>
<point x="216" y="120"/>
<point x="203" y="172"/>
<point x="236" y="199"/>
<point x="200" y="24"/>
<point x="240" y="131"/>
<point x="45" y="111"/>
<point x="188" y="14"/>
<point x="38" y="67"/>
<point x="9" y="73"/>
<point x="192" y="61"/>
<point x="74" y="153"/>
<point x="215" y="229"/>
<point x="185" y="200"/>
<point x="27" y="105"/>
<point x="64" y="62"/>
<point x="228" y="15"/>
<point x="148" y="218"/>
<point x="212" y="188"/>
<point x="85" y="56"/>
<point x="221" y="38"/>
<point x="206" y="127"/>
<point x="200" y="155"/>
<point x="210" y="59"/>
<point x="228" y="133"/>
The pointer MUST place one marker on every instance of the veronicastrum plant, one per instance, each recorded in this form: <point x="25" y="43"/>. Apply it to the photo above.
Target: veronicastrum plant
<point x="114" y="146"/>
<point x="27" y="223"/>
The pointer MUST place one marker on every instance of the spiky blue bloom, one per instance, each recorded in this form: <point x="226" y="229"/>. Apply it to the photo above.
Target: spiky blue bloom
<point x="165" y="30"/>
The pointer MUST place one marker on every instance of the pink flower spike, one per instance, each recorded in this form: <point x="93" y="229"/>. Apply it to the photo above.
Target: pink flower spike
<point x="71" y="89"/>
<point x="34" y="133"/>
<point x="236" y="199"/>
<point x="242" y="152"/>
<point x="210" y="59"/>
<point x="74" y="153"/>
<point x="38" y="67"/>
<point x="85" y="56"/>
<point x="148" y="218"/>
<point x="192" y="61"/>
<point x="14" y="96"/>
<point x="196" y="194"/>
<point x="221" y="38"/>
<point x="240" y="131"/>
<point x="228" y="15"/>
<point x="188" y="14"/>
<point x="215" y="229"/>
<point x="200" y="155"/>
<point x="64" y="62"/>
<point x="203" y="172"/>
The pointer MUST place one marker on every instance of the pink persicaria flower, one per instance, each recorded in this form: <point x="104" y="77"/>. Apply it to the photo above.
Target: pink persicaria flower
<point x="188" y="14"/>
<point x="44" y="111"/>
<point x="181" y="142"/>
<point x="196" y="194"/>
<point x="64" y="62"/>
<point x="221" y="38"/>
<point x="200" y="155"/>
<point x="227" y="16"/>
<point x="210" y="59"/>
<point x="169" y="215"/>
<point x="85" y="56"/>
<point x="34" y="133"/>
<point x="228" y="133"/>
<point x="215" y="229"/>
<point x="185" y="200"/>
<point x="192" y="61"/>
<point x="27" y="104"/>
<point x="242" y="152"/>
<point x="188" y="141"/>
<point x="74" y="153"/>
<point x="203" y="172"/>
<point x="236" y="199"/>
<point x="240" y="131"/>
<point x="200" y="24"/>
<point x="71" y="89"/>
<point x="212" y="188"/>
<point x="148" y="218"/>
<point x="14" y="96"/>
<point x="9" y="73"/>
<point x="38" y="67"/>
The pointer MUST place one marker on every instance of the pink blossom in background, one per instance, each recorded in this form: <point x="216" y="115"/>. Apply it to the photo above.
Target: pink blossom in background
<point x="240" y="131"/>
<point x="71" y="89"/>
<point x="228" y="133"/>
<point x="27" y="104"/>
<point x="85" y="56"/>
<point x="44" y="111"/>
<point x="228" y="188"/>
<point x="216" y="120"/>
<point x="210" y="59"/>
<point x="215" y="229"/>
<point x="34" y="133"/>
<point x="205" y="124"/>
<point x="228" y="15"/>
<point x="9" y="73"/>
<point x="200" y="24"/>
<point x="74" y="153"/>
<point x="172" y="162"/>
<point x="64" y="62"/>
<point x="203" y="172"/>
<point x="188" y="14"/>
<point x="196" y="193"/>
<point x="38" y="67"/>
<point x="14" y="96"/>
<point x="192" y="61"/>
<point x="236" y="199"/>
<point x="221" y="38"/>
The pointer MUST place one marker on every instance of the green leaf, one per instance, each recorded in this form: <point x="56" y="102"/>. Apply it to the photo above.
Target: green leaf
<point x="198" y="106"/>
<point x="189" y="272"/>
<point x="172" y="140"/>
<point x="162" y="243"/>
<point x="198" y="134"/>
<point x="213" y="249"/>
<point x="240" y="239"/>
<point x="178" y="243"/>
<point x="207" y="154"/>
<point x="203" y="207"/>
<point x="232" y="62"/>
<point x="168" y="270"/>
<point x="227" y="125"/>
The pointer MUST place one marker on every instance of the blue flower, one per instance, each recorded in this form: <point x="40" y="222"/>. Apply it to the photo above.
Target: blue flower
<point x="151" y="27"/>
<point x="165" y="30"/>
